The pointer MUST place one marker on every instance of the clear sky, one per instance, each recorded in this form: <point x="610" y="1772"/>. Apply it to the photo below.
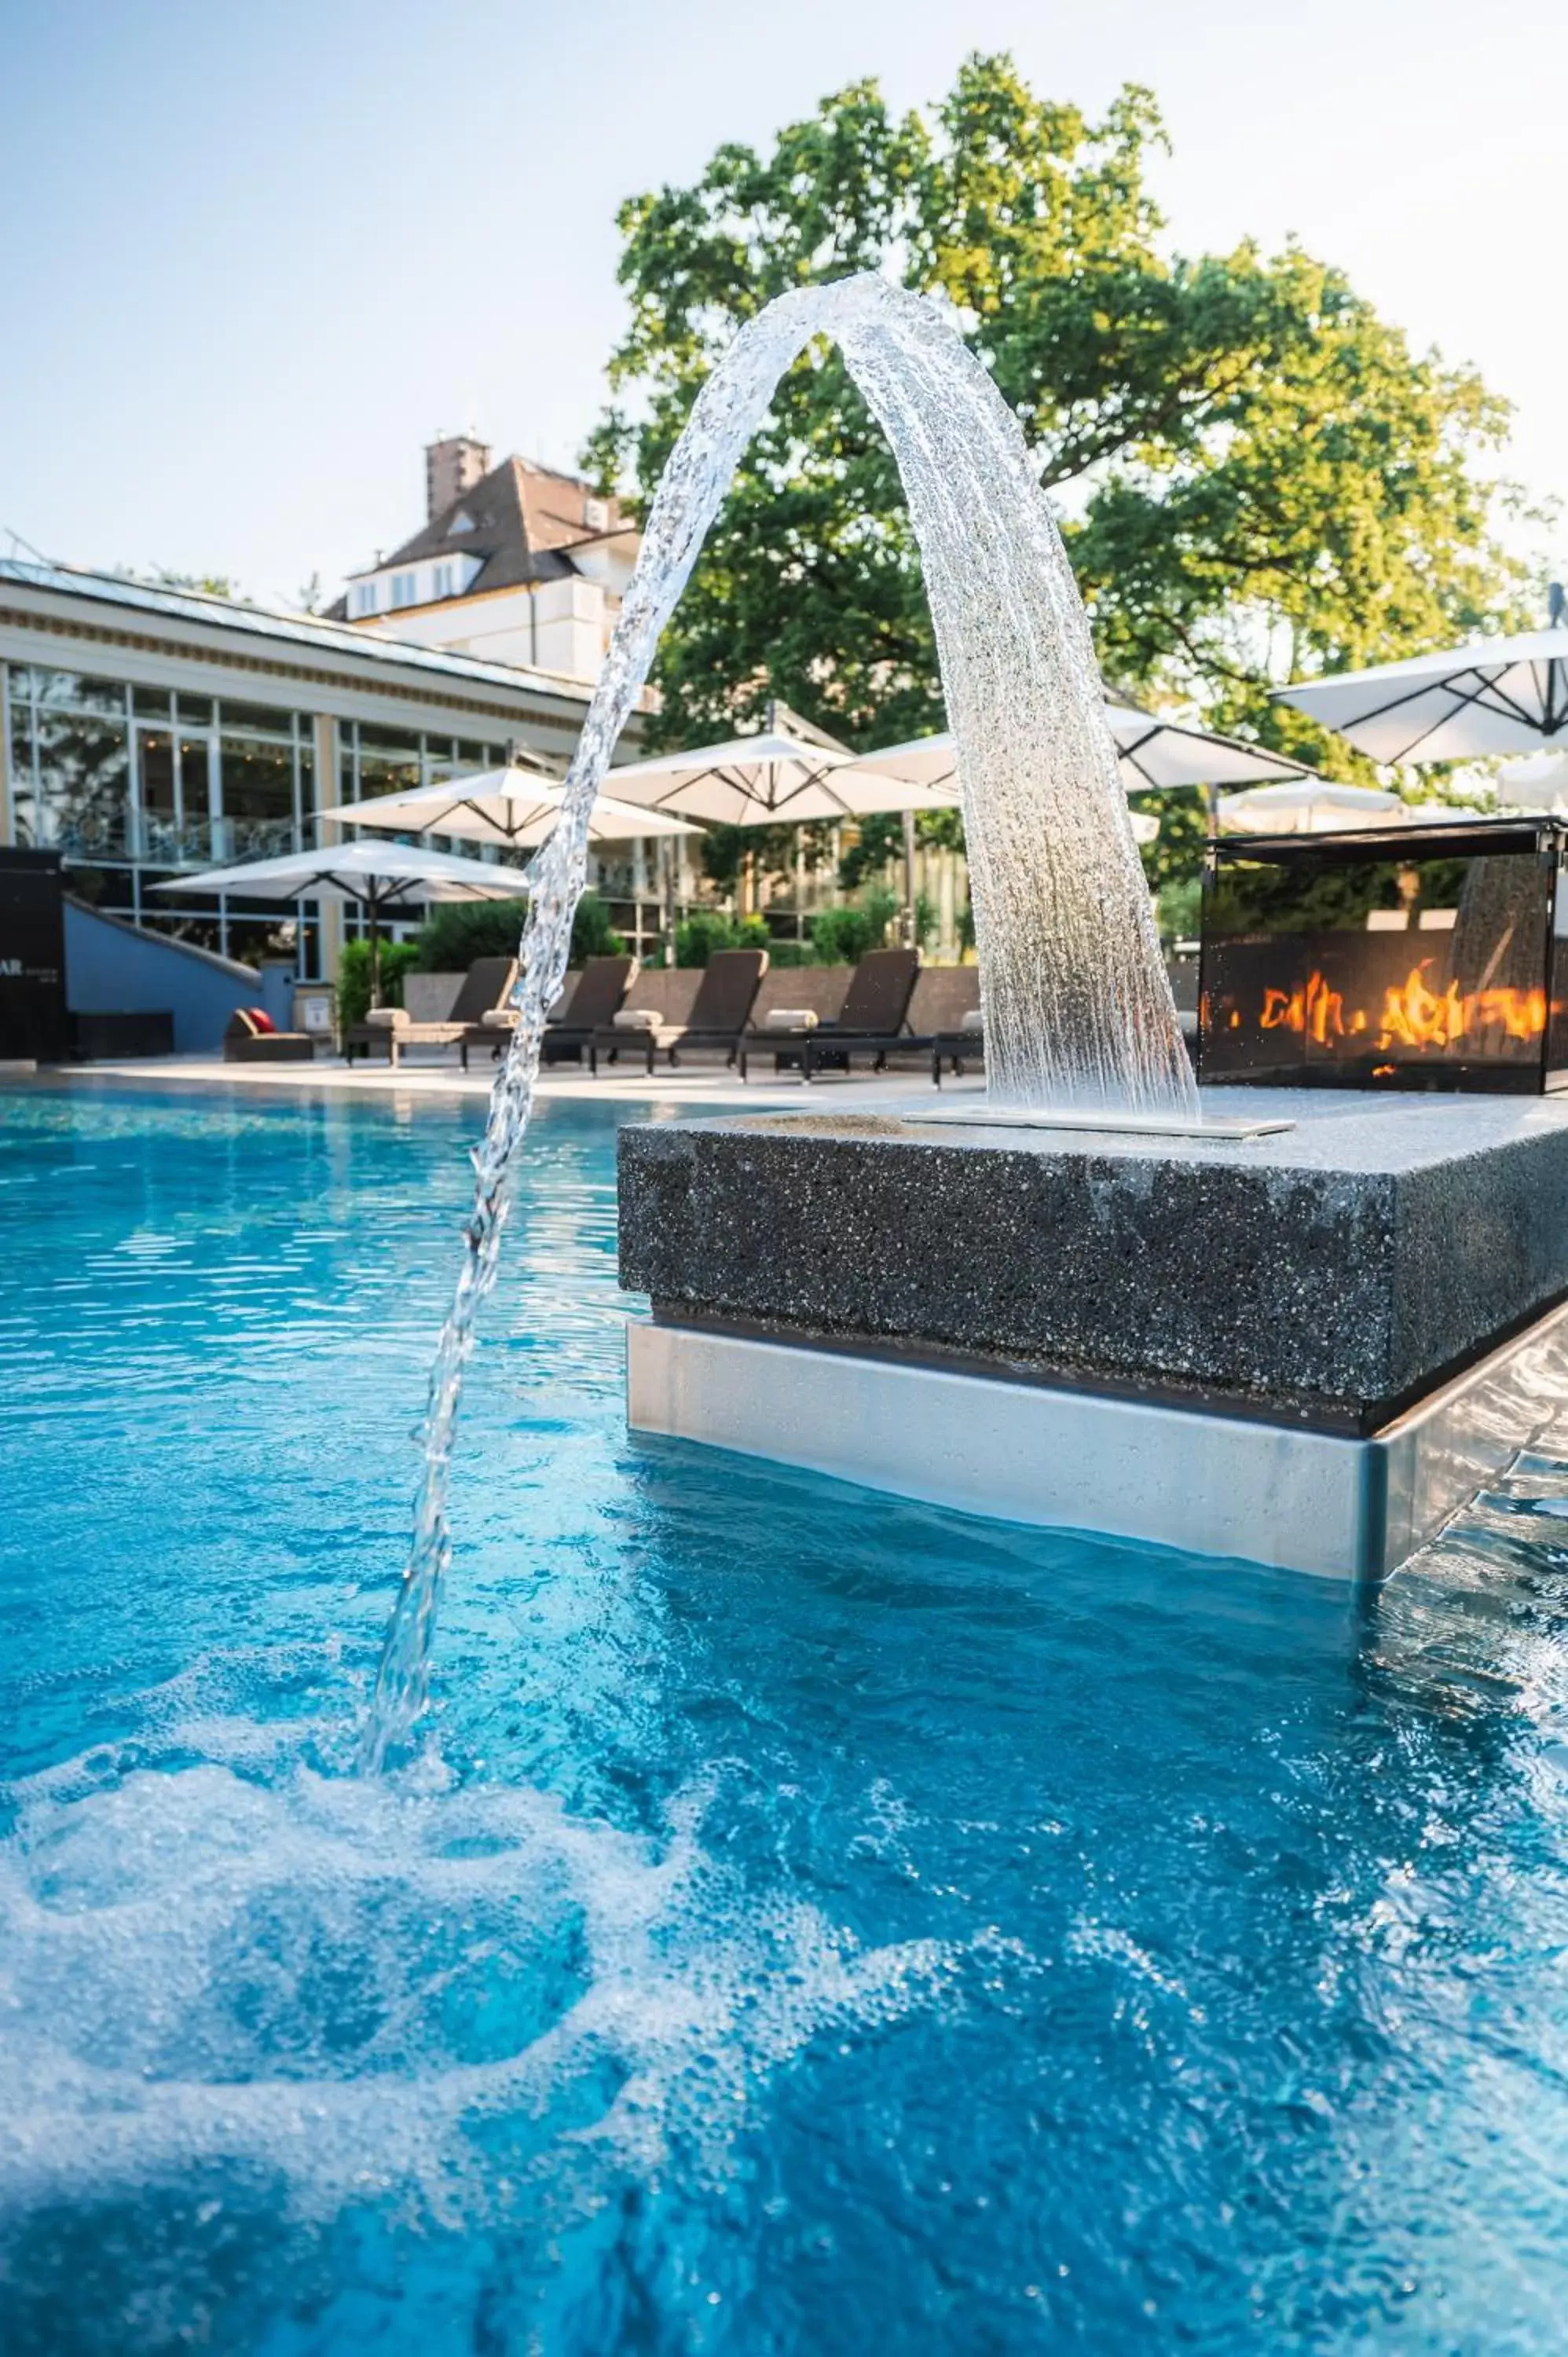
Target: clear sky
<point x="254" y="257"/>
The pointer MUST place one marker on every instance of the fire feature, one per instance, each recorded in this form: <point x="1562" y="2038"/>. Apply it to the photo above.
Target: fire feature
<point x="1411" y="958"/>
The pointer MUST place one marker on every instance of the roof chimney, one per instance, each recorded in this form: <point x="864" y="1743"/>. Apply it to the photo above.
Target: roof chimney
<point x="453" y="465"/>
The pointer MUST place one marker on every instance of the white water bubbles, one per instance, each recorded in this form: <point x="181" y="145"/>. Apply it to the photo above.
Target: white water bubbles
<point x="443" y="2001"/>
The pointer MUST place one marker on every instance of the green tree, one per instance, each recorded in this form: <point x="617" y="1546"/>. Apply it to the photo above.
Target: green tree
<point x="1260" y="479"/>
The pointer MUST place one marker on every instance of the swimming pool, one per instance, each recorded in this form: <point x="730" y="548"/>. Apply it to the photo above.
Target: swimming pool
<point x="815" y="1922"/>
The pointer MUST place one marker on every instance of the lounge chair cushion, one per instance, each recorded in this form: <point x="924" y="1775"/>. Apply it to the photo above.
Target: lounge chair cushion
<point x="635" y="1018"/>
<point x="790" y="1018"/>
<point x="386" y="1018"/>
<point x="499" y="1019"/>
<point x="249" y="1022"/>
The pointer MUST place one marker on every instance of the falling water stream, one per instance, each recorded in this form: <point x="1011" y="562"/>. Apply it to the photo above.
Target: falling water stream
<point x="1077" y="1008"/>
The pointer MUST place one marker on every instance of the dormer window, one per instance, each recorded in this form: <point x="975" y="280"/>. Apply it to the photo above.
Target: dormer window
<point x="461" y="522"/>
<point x="362" y="599"/>
<point x="404" y="589"/>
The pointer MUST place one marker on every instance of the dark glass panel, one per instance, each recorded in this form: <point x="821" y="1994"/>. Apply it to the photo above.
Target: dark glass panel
<point x="18" y="720"/>
<point x="110" y="888"/>
<point x="196" y="829"/>
<point x="258" y="929"/>
<point x="1363" y="963"/>
<point x="1557" y="1028"/>
<point x="83" y="783"/>
<point x="390" y="763"/>
<point x="257" y="719"/>
<point x="158" y="826"/>
<point x="201" y="925"/>
<point x="257" y="797"/>
<point x="194" y="711"/>
<point x="151" y="704"/>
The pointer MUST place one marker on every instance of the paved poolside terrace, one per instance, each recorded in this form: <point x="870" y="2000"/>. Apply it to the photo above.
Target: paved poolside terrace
<point x="709" y="1087"/>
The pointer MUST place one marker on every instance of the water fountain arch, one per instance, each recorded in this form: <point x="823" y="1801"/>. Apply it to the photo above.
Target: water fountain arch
<point x="1077" y="1009"/>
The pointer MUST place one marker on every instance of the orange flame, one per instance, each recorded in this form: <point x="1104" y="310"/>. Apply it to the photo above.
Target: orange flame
<point x="1413" y="1014"/>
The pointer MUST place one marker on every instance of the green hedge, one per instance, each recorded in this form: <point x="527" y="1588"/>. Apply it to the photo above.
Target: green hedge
<point x="463" y="931"/>
<point x="842" y="936"/>
<point x="707" y="929"/>
<point x="354" y="977"/>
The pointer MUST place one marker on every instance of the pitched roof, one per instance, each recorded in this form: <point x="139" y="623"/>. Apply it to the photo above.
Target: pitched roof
<point x="522" y="522"/>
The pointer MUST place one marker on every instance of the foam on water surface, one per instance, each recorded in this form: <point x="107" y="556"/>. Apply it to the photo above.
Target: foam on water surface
<point x="337" y="1989"/>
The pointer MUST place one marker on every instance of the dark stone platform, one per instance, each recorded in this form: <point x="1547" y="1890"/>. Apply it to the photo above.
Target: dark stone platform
<point x="1329" y="1274"/>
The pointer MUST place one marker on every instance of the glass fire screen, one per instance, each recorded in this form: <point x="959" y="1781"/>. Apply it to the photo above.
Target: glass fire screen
<point x="1414" y="958"/>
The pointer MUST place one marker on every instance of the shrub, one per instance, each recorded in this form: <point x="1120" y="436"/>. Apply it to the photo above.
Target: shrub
<point x="881" y="906"/>
<point x="354" y="977"/>
<point x="592" y="935"/>
<point x="462" y="931"/>
<point x="703" y="932"/>
<point x="842" y="936"/>
<point x="1180" y="905"/>
<point x="790" y="953"/>
<point x="455" y="934"/>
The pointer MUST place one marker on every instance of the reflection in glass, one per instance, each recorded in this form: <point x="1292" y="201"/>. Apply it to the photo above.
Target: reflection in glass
<point x="81" y="790"/>
<point x="195" y="796"/>
<point x="257" y="797"/>
<point x="70" y="691"/>
<point x="158" y="796"/>
<point x="202" y="925"/>
<point x="258" y="719"/>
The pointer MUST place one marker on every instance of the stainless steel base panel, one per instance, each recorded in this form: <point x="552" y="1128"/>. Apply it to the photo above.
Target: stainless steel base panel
<point x="1208" y="1483"/>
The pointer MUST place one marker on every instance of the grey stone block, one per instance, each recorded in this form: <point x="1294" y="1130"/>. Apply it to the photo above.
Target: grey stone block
<point x="1330" y="1273"/>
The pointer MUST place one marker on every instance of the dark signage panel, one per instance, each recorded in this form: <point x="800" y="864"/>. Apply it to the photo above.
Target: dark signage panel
<point x="33" y="1017"/>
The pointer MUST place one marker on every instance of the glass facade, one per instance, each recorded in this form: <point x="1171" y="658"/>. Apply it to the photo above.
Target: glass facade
<point x="372" y="760"/>
<point x="133" y="784"/>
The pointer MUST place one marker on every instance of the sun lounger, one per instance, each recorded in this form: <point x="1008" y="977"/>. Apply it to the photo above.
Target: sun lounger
<point x="487" y="983"/>
<point x="720" y="1014"/>
<point x="966" y="1045"/>
<point x="597" y="994"/>
<point x="875" y="1011"/>
<point x="253" y="1038"/>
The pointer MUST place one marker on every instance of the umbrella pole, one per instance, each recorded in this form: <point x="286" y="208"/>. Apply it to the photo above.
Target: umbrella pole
<point x="910" y="942"/>
<point x="372" y="910"/>
<point x="670" y="861"/>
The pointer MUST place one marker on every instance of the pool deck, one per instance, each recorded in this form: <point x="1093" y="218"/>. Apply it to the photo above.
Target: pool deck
<point x="707" y="1087"/>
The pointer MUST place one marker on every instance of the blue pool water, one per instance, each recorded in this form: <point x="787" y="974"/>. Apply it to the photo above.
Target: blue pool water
<point x="815" y="1923"/>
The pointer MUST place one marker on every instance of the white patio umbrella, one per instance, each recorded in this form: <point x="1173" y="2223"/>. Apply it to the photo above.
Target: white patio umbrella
<point x="380" y="878"/>
<point x="1500" y="695"/>
<point x="1539" y="783"/>
<point x="1309" y="805"/>
<point x="1151" y="752"/>
<point x="513" y="807"/>
<point x="774" y="778"/>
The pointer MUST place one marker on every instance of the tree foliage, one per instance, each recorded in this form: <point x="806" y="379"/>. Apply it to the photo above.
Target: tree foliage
<point x="1258" y="478"/>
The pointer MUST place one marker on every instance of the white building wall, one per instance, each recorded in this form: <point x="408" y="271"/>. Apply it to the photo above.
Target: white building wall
<point x="557" y="626"/>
